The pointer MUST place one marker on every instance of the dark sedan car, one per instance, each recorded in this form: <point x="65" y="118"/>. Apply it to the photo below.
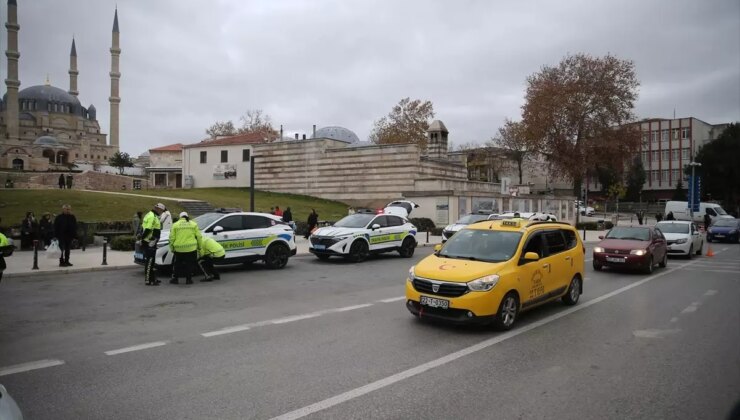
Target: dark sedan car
<point x="724" y="230"/>
<point x="631" y="247"/>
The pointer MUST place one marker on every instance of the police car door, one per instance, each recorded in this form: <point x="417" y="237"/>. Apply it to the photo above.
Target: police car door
<point x="380" y="238"/>
<point x="259" y="233"/>
<point x="396" y="228"/>
<point x="231" y="235"/>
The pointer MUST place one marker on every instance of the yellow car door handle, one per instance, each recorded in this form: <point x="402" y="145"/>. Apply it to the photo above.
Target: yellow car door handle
<point x="545" y="265"/>
<point x="567" y="258"/>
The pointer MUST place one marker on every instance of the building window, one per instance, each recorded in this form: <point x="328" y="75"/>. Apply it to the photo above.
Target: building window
<point x="160" y="180"/>
<point x="224" y="156"/>
<point x="645" y="139"/>
<point x="675" y="134"/>
<point x="77" y="155"/>
<point x="245" y="155"/>
<point x="203" y="157"/>
<point x="654" y="136"/>
<point x="85" y="155"/>
<point x="674" y="175"/>
<point x="665" y="135"/>
<point x="644" y="158"/>
<point x="685" y="133"/>
<point x="675" y="154"/>
<point x="655" y="156"/>
<point x="654" y="175"/>
<point x="105" y="157"/>
<point x="685" y="153"/>
<point x="665" y="175"/>
<point x="666" y="155"/>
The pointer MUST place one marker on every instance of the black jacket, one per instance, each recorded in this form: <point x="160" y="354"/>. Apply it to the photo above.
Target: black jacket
<point x="287" y="216"/>
<point x="65" y="226"/>
<point x="313" y="218"/>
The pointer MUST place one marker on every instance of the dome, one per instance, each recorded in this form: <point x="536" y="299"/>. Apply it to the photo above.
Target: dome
<point x="48" y="141"/>
<point x="47" y="93"/>
<point x="337" y="133"/>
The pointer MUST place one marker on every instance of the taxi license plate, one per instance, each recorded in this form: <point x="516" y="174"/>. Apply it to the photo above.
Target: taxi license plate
<point x="319" y="247"/>
<point x="434" y="302"/>
<point x="615" y="260"/>
<point x="138" y="256"/>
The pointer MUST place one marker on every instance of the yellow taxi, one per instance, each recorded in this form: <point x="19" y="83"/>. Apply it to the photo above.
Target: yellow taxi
<point x="490" y="271"/>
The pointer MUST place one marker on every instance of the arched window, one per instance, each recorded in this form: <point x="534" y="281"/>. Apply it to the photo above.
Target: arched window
<point x="18" y="164"/>
<point x="49" y="154"/>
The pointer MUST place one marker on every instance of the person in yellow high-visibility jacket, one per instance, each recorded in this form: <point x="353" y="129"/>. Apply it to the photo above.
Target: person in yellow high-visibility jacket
<point x="210" y="251"/>
<point x="185" y="240"/>
<point x="5" y="247"/>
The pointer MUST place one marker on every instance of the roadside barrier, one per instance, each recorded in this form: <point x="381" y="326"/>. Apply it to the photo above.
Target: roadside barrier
<point x="105" y="251"/>
<point x="35" y="255"/>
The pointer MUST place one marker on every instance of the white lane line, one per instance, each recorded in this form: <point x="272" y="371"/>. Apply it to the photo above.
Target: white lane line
<point x="352" y="308"/>
<point x="25" y="367"/>
<point x="390" y="380"/>
<point x="689" y="309"/>
<point x="227" y="331"/>
<point x="714" y="271"/>
<point x="136" y="348"/>
<point x="395" y="299"/>
<point x="710" y="292"/>
<point x="674" y="319"/>
<point x="295" y="318"/>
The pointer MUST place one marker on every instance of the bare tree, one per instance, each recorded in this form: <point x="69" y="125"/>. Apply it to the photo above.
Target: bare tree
<point x="221" y="129"/>
<point x="512" y="139"/>
<point x="407" y="122"/>
<point x="255" y="121"/>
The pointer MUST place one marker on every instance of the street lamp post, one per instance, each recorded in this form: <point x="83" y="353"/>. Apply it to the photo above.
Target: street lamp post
<point x="692" y="188"/>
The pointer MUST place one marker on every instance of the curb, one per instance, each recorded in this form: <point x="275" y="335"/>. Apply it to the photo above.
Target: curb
<point x="69" y="271"/>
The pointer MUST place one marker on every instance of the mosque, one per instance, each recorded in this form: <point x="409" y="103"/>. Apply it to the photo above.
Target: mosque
<point x="44" y="127"/>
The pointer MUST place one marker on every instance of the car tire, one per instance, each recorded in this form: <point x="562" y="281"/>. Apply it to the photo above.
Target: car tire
<point x="597" y="266"/>
<point x="508" y="311"/>
<point x="358" y="251"/>
<point x="323" y="257"/>
<point x="408" y="246"/>
<point x="701" y="247"/>
<point x="664" y="262"/>
<point x="690" y="255"/>
<point x="277" y="256"/>
<point x="574" y="292"/>
<point x="650" y="266"/>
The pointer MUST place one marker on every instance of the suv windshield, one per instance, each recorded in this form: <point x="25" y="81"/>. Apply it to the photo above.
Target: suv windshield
<point x="355" y="221"/>
<point x="725" y="223"/>
<point x="673" y="227"/>
<point x="635" y="234"/>
<point x="471" y="218"/>
<point x="482" y="245"/>
<point x="205" y="220"/>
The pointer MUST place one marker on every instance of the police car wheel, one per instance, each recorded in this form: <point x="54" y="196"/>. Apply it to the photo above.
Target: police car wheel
<point x="358" y="251"/>
<point x="407" y="248"/>
<point x="277" y="256"/>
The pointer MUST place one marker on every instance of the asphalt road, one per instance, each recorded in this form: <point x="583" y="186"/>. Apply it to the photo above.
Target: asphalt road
<point x="333" y="340"/>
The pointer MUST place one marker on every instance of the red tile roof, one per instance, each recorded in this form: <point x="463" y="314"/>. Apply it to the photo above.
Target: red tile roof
<point x="169" y="148"/>
<point x="249" y="138"/>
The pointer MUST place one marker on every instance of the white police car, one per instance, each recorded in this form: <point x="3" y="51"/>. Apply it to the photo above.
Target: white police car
<point x="246" y="237"/>
<point x="450" y="230"/>
<point x="359" y="235"/>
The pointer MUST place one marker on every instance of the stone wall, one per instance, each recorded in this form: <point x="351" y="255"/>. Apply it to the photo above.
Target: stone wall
<point x="88" y="180"/>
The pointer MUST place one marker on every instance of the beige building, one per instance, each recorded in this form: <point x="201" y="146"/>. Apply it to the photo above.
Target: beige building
<point x="220" y="162"/>
<point x="44" y="127"/>
<point x="164" y="168"/>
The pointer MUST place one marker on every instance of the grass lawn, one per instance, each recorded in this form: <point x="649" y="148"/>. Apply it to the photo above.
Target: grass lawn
<point x="300" y="205"/>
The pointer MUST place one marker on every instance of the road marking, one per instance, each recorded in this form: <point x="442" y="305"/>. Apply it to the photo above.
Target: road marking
<point x="25" y="367"/>
<point x="295" y="318"/>
<point x="710" y="292"/>
<point x="227" y="331"/>
<point x="136" y="348"/>
<point x="395" y="299"/>
<point x="654" y="333"/>
<point x="714" y="271"/>
<point x="690" y="308"/>
<point x="398" y="377"/>
<point x="352" y="308"/>
<point x="674" y="319"/>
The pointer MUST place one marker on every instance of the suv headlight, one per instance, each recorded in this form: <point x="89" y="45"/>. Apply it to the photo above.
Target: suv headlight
<point x="483" y="284"/>
<point x="682" y="241"/>
<point x="638" y="252"/>
<point x="598" y="250"/>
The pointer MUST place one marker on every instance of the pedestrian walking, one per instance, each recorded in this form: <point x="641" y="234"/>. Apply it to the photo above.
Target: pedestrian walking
<point x="707" y="221"/>
<point x="312" y="221"/>
<point x="5" y="249"/>
<point x="29" y="227"/>
<point x="46" y="229"/>
<point x="150" y="230"/>
<point x="136" y="223"/>
<point x="69" y="181"/>
<point x="210" y="251"/>
<point x="61" y="181"/>
<point x="65" y="230"/>
<point x="185" y="240"/>
<point x="165" y="219"/>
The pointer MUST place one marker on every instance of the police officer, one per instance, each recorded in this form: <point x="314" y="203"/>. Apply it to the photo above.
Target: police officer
<point x="5" y="247"/>
<point x="185" y="240"/>
<point x="148" y="242"/>
<point x="210" y="251"/>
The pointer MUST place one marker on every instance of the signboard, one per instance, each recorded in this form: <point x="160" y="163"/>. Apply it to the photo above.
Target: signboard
<point x="694" y="193"/>
<point x="224" y="171"/>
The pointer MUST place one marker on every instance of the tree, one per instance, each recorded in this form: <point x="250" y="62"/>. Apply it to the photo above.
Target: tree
<point x="221" y="129"/>
<point x="512" y="138"/>
<point x="719" y="168"/>
<point x="636" y="178"/>
<point x="679" y="194"/>
<point x="407" y="122"/>
<point x="121" y="160"/>
<point x="484" y="163"/>
<point x="577" y="114"/>
<point x="607" y="175"/>
<point x="254" y="121"/>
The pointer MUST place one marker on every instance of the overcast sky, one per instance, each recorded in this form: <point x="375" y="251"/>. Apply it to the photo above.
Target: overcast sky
<point x="188" y="63"/>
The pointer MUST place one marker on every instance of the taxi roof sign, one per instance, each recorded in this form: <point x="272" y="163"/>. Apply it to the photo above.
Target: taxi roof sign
<point x="512" y="223"/>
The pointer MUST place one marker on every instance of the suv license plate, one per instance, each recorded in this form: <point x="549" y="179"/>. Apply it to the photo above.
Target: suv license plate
<point x="615" y="260"/>
<point x="319" y="247"/>
<point x="138" y="256"/>
<point x="434" y="302"/>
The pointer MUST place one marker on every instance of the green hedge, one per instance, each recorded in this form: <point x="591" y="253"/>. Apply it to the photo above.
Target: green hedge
<point x="436" y="231"/>
<point x="593" y="225"/>
<point x="422" y="223"/>
<point x="123" y="243"/>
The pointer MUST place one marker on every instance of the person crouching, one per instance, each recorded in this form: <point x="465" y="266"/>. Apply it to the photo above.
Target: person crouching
<point x="210" y="251"/>
<point x="185" y="240"/>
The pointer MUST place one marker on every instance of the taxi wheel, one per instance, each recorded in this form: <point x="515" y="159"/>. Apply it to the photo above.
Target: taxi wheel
<point x="508" y="311"/>
<point x="277" y="256"/>
<point x="574" y="292"/>
<point x="407" y="248"/>
<point x="358" y="251"/>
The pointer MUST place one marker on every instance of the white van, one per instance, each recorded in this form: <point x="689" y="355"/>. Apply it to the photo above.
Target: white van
<point x="681" y="211"/>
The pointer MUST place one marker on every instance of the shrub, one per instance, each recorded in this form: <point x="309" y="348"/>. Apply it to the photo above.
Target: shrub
<point x="123" y="243"/>
<point x="422" y="223"/>
<point x="436" y="231"/>
<point x="593" y="225"/>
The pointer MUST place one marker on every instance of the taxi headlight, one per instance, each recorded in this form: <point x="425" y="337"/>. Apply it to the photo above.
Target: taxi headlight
<point x="638" y="252"/>
<point x="411" y="274"/>
<point x="598" y="250"/>
<point x="483" y="284"/>
<point x="681" y="241"/>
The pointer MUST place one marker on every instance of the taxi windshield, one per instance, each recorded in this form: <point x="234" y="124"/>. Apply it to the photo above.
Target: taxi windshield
<point x="670" y="227"/>
<point x="205" y="220"/>
<point x="472" y="218"/>
<point x="358" y="220"/>
<point x="482" y="245"/>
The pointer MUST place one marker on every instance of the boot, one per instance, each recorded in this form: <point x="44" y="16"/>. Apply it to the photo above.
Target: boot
<point x="67" y="264"/>
<point x="61" y="263"/>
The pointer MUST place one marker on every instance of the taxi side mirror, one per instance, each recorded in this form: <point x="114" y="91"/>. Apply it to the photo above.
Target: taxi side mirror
<point x="531" y="256"/>
<point x="218" y="229"/>
<point x="375" y="226"/>
<point x="437" y="248"/>
<point x="601" y="236"/>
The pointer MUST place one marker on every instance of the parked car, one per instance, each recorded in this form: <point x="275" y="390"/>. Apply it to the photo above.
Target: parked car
<point x="450" y="230"/>
<point x="631" y="247"/>
<point x="680" y="211"/>
<point x="535" y="216"/>
<point x="246" y="237"/>
<point x="724" y="230"/>
<point x="490" y="272"/>
<point x="584" y="210"/>
<point x="401" y="208"/>
<point x="682" y="237"/>
<point x="357" y="236"/>
<point x="9" y="410"/>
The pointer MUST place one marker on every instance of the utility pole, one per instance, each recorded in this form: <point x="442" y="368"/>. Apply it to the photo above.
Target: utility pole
<point x="692" y="188"/>
<point x="251" y="183"/>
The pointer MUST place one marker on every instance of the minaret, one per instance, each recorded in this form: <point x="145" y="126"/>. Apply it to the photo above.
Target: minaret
<point x="115" y="76"/>
<point x="73" y="70"/>
<point x="12" y="83"/>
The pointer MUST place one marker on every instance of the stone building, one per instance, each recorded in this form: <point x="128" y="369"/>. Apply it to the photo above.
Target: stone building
<point x="44" y="127"/>
<point x="164" y="167"/>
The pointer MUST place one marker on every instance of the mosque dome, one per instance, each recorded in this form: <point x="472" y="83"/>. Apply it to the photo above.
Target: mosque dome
<point x="337" y="133"/>
<point x="48" y="93"/>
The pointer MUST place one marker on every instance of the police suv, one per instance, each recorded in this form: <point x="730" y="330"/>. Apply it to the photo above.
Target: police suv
<point x="359" y="235"/>
<point x="246" y="237"/>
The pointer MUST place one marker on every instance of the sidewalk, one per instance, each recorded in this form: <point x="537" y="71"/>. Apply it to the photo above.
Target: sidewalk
<point x="21" y="262"/>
